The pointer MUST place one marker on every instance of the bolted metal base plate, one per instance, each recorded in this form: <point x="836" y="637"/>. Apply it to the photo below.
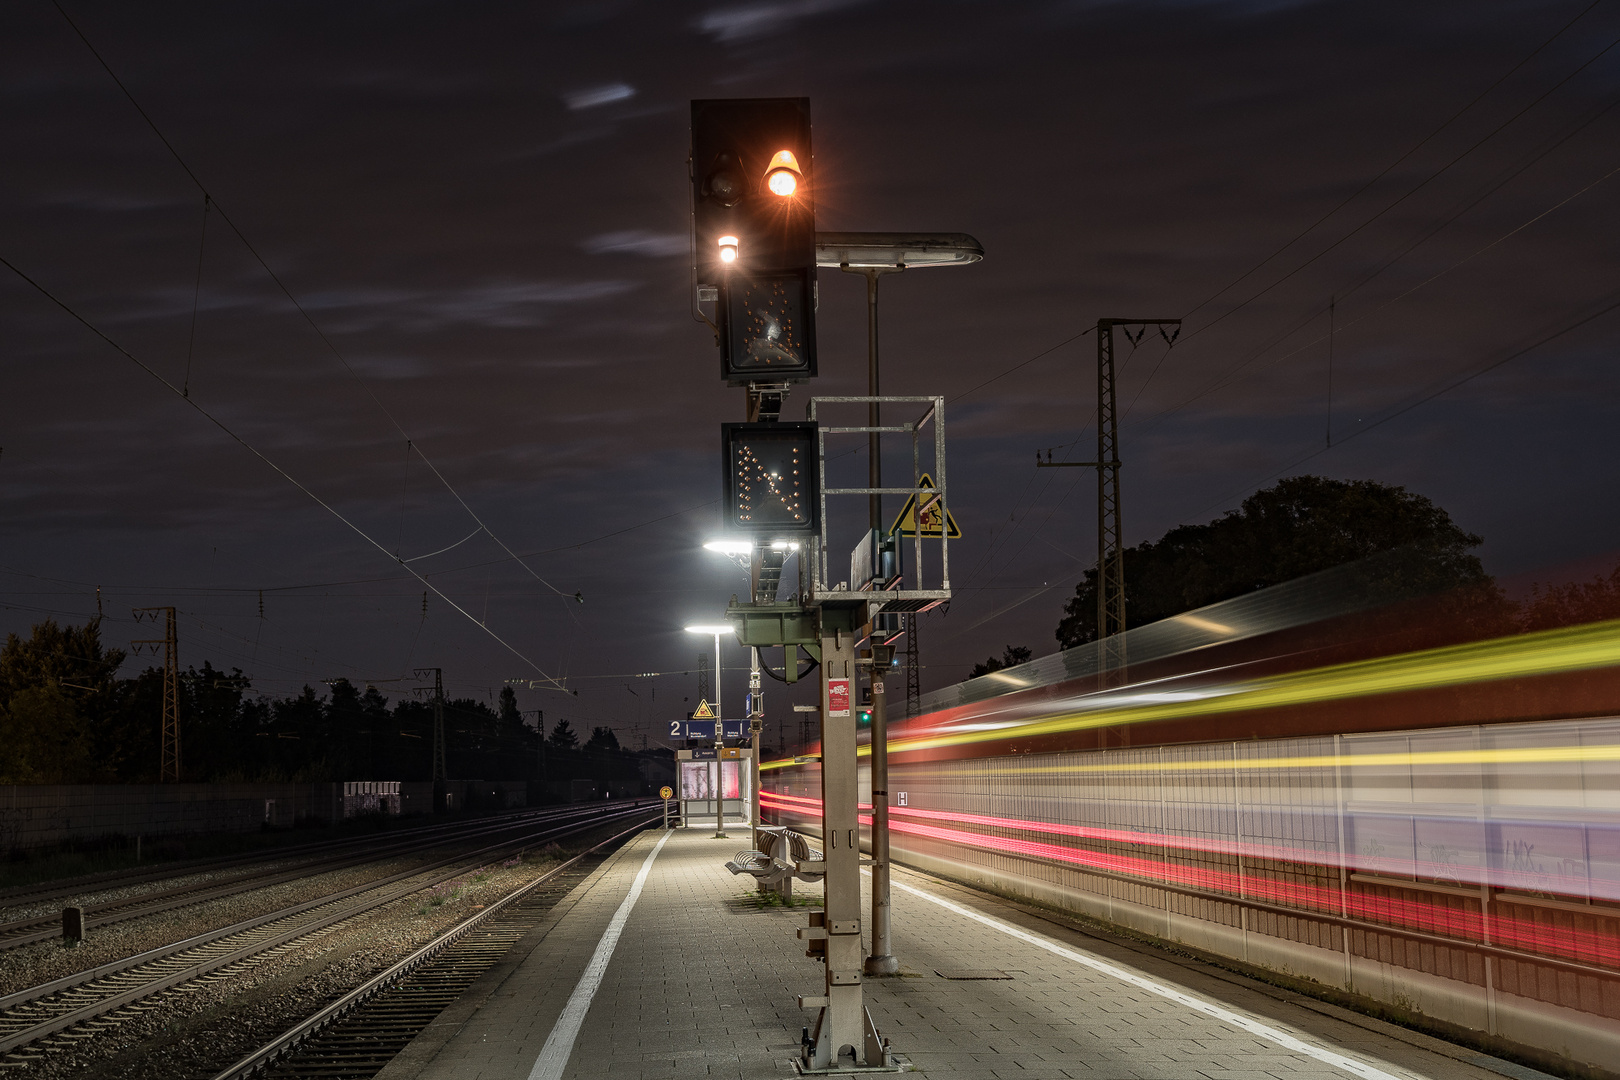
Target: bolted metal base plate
<point x="849" y="1070"/>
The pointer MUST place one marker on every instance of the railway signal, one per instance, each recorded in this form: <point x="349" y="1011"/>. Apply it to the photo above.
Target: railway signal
<point x="754" y="226"/>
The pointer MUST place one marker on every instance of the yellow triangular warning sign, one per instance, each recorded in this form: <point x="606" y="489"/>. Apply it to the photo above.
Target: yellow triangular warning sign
<point x="703" y="712"/>
<point x="906" y="523"/>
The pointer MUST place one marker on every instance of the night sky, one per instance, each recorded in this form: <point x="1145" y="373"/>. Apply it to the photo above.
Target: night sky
<point x="482" y="210"/>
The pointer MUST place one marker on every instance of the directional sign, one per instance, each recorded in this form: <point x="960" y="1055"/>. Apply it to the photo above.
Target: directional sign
<point x="703" y="712"/>
<point x="734" y="729"/>
<point x="666" y="792"/>
<point x="705" y="754"/>
<point x="691" y="729"/>
<point x="906" y="523"/>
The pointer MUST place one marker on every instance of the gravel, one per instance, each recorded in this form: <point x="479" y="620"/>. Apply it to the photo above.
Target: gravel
<point x="201" y="1027"/>
<point x="32" y="965"/>
<point x="114" y="893"/>
<point x="204" y="1026"/>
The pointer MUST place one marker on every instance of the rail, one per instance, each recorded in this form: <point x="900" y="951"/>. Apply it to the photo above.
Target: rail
<point x="268" y="1054"/>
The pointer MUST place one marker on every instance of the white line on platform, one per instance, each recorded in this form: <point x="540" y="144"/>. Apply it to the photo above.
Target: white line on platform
<point x="1247" y="1023"/>
<point x="559" y="1046"/>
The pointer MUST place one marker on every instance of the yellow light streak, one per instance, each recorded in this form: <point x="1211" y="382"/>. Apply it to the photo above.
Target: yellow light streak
<point x="1205" y="624"/>
<point x="1548" y="652"/>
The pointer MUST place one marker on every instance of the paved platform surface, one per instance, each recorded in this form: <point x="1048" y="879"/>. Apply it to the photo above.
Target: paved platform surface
<point x="701" y="982"/>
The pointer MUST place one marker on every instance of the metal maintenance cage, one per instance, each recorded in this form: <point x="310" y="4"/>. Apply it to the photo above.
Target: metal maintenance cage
<point x="928" y="500"/>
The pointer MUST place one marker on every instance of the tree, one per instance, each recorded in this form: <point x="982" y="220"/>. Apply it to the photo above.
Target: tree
<point x="1550" y="606"/>
<point x="211" y="724"/>
<point x="562" y="736"/>
<point x="508" y="710"/>
<point x="603" y="739"/>
<point x="57" y="693"/>
<point x="1302" y="525"/>
<point x="1011" y="656"/>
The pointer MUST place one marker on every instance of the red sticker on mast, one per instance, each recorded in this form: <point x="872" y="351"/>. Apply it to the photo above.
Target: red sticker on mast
<point x="837" y="697"/>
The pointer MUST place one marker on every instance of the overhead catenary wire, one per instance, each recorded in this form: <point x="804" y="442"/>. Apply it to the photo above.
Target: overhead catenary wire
<point x="1428" y="138"/>
<point x="250" y="448"/>
<point x="1394" y="164"/>
<point x="1604" y="306"/>
<point x="1436" y="174"/>
<point x="297" y="305"/>
<point x="1319" y="221"/>
<point x="1227" y="378"/>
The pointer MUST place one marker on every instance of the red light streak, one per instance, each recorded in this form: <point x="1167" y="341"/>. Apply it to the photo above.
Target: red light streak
<point x="1468" y="925"/>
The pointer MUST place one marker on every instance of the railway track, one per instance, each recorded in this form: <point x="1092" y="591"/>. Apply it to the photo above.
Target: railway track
<point x="46" y="892"/>
<point x="355" y="1036"/>
<point x="82" y="1006"/>
<point x="29" y="931"/>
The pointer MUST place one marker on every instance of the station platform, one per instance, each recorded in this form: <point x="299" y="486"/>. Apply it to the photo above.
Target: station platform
<point x="663" y="965"/>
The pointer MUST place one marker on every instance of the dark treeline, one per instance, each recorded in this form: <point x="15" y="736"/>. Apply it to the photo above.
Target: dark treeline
<point x="66" y="717"/>
<point x="1404" y="545"/>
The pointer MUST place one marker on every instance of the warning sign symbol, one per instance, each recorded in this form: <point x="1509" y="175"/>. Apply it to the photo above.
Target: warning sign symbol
<point x="906" y="524"/>
<point x="703" y="712"/>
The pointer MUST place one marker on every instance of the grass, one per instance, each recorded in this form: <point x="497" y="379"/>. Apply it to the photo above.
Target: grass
<point x="758" y="901"/>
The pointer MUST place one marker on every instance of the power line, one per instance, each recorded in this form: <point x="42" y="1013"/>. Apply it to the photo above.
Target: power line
<point x="1609" y="304"/>
<point x="277" y="468"/>
<point x="1319" y="221"/>
<point x="1227" y="378"/>
<point x="1391" y="206"/>
<point x="364" y="384"/>
<point x="1392" y="165"/>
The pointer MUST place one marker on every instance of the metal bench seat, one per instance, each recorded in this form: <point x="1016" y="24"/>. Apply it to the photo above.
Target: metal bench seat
<point x="752" y="862"/>
<point x="777" y="865"/>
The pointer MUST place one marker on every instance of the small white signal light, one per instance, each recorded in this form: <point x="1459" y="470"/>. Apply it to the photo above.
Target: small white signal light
<point x="728" y="249"/>
<point x="783" y="175"/>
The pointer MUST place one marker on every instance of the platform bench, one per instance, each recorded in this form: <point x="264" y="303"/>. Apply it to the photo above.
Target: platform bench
<point x="769" y="867"/>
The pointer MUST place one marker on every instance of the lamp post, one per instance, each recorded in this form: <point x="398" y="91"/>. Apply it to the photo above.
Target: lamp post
<point x="873" y="255"/>
<point x="719" y="729"/>
<point x="749" y="554"/>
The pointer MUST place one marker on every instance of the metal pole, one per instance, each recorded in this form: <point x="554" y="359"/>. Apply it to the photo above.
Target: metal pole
<point x="440" y="773"/>
<point x="874" y="452"/>
<point x="757" y="730"/>
<point x="1105" y="362"/>
<point x="844" y="1020"/>
<point x="873" y="449"/>
<point x="882" y="961"/>
<point x="719" y="741"/>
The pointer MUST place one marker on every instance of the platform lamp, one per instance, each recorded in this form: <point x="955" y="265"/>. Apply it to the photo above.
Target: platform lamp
<point x="719" y="722"/>
<point x="741" y="552"/>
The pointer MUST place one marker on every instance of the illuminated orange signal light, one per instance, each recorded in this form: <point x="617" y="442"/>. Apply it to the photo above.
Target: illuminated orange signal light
<point x="728" y="249"/>
<point x="784" y="174"/>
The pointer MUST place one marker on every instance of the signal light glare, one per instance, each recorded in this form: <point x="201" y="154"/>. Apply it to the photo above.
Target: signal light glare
<point x="728" y="249"/>
<point x="782" y="177"/>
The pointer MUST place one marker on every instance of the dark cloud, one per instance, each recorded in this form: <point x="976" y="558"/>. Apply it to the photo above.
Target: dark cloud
<point x="591" y="97"/>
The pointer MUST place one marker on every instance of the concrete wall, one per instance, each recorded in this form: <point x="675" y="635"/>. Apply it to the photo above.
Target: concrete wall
<point x="39" y="816"/>
<point x="35" y="816"/>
